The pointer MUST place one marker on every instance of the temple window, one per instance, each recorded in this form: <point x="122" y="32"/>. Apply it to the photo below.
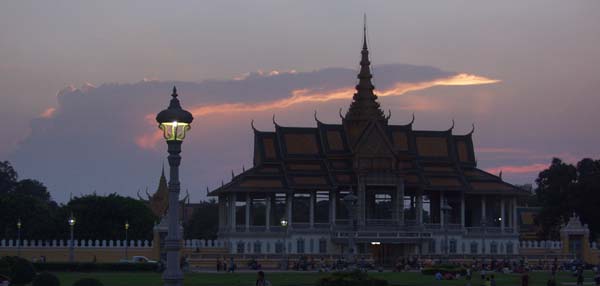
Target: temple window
<point x="322" y="207"/>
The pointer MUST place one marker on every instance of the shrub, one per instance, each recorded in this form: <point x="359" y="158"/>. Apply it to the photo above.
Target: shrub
<point x="88" y="282"/>
<point x="46" y="279"/>
<point x="354" y="278"/>
<point x="93" y="267"/>
<point x="22" y="272"/>
<point x="444" y="269"/>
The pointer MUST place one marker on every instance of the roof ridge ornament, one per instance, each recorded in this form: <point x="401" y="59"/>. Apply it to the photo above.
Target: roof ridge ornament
<point x="316" y="119"/>
<point x="472" y="130"/>
<point x="275" y="123"/>
<point x="451" y="127"/>
<point x="341" y="116"/>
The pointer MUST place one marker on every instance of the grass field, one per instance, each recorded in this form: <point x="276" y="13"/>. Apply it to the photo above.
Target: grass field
<point x="302" y="278"/>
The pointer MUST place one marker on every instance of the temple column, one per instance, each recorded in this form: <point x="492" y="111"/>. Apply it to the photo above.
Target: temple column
<point x="232" y="222"/>
<point x="462" y="210"/>
<point x="247" y="216"/>
<point x="442" y="214"/>
<point x="311" y="211"/>
<point x="419" y="209"/>
<point x="289" y="199"/>
<point x="332" y="207"/>
<point x="502" y="218"/>
<point x="483" y="216"/>
<point x="222" y="213"/>
<point x="399" y="203"/>
<point x="268" y="213"/>
<point x="514" y="215"/>
<point x="361" y="194"/>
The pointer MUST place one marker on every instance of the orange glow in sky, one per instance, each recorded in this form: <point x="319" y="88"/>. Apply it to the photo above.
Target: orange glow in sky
<point x="48" y="113"/>
<point x="148" y="141"/>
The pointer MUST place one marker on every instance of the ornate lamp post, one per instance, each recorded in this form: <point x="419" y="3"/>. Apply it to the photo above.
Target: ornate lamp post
<point x="350" y="203"/>
<point x="284" y="224"/>
<point x="72" y="222"/>
<point x="19" y="237"/>
<point x="126" y="241"/>
<point x="446" y="208"/>
<point x="174" y="122"/>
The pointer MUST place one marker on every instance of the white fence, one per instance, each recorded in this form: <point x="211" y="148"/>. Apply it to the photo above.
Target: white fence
<point x="190" y="243"/>
<point x="548" y="244"/>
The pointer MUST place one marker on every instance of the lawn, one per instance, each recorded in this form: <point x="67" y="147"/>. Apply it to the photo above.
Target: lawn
<point x="301" y="278"/>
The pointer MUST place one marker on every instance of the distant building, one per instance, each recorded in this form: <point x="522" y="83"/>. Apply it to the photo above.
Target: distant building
<point x="401" y="178"/>
<point x="159" y="201"/>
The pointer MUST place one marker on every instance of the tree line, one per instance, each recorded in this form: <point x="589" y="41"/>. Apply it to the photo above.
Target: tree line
<point x="97" y="217"/>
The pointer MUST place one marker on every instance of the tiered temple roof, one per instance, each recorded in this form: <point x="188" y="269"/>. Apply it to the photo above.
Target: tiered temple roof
<point x="329" y="156"/>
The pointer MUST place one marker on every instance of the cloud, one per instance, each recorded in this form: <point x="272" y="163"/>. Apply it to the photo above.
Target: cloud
<point x="519" y="169"/>
<point x="300" y="96"/>
<point x="104" y="137"/>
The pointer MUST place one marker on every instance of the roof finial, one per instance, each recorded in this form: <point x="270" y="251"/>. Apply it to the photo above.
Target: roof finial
<point x="243" y="168"/>
<point x="174" y="91"/>
<point x="207" y="191"/>
<point x="451" y="127"/>
<point x="364" y="31"/>
<point x="232" y="175"/>
<point x="364" y="104"/>
<point x="500" y="175"/>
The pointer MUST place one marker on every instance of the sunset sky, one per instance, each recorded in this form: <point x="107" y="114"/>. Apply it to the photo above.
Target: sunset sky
<point x="81" y="82"/>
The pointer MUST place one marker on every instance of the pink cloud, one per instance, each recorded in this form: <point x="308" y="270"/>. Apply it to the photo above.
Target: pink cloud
<point x="518" y="169"/>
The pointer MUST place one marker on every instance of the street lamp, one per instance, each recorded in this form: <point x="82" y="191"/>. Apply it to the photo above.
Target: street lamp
<point x="284" y="224"/>
<point x="350" y="203"/>
<point x="174" y="123"/>
<point x="19" y="237"/>
<point x="126" y="241"/>
<point x="71" y="222"/>
<point x="446" y="208"/>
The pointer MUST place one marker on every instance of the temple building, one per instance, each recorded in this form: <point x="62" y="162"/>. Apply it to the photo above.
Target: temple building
<point x="159" y="201"/>
<point x="416" y="192"/>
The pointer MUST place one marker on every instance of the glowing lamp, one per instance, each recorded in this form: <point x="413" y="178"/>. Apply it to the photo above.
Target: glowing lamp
<point x="126" y="225"/>
<point x="284" y="222"/>
<point x="72" y="221"/>
<point x="174" y="121"/>
<point x="19" y="224"/>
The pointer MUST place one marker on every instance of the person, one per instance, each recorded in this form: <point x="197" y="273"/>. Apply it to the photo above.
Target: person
<point x="580" y="278"/>
<point x="438" y="276"/>
<point x="525" y="278"/>
<point x="231" y="265"/>
<point x="468" y="275"/>
<point x="492" y="280"/>
<point x="482" y="272"/>
<point x="261" y="281"/>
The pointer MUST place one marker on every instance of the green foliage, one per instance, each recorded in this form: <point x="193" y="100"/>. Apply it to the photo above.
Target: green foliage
<point x="94" y="267"/>
<point x="354" y="278"/>
<point x="22" y="272"/>
<point x="204" y="223"/>
<point x="443" y="269"/>
<point x="39" y="219"/>
<point x="8" y="177"/>
<point x="46" y="279"/>
<point x="88" y="282"/>
<point x="563" y="189"/>
<point x="103" y="217"/>
<point x="33" y="188"/>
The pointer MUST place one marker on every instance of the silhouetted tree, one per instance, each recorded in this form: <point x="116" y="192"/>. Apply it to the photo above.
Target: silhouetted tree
<point x="8" y="177"/>
<point x="563" y="189"/>
<point x="34" y="188"/>
<point x="204" y="223"/>
<point x="103" y="217"/>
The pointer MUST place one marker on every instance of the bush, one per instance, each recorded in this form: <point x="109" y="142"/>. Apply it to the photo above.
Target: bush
<point x="22" y="272"/>
<point x="94" y="267"/>
<point x="46" y="279"/>
<point x="354" y="278"/>
<point x="452" y="269"/>
<point x="88" y="282"/>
